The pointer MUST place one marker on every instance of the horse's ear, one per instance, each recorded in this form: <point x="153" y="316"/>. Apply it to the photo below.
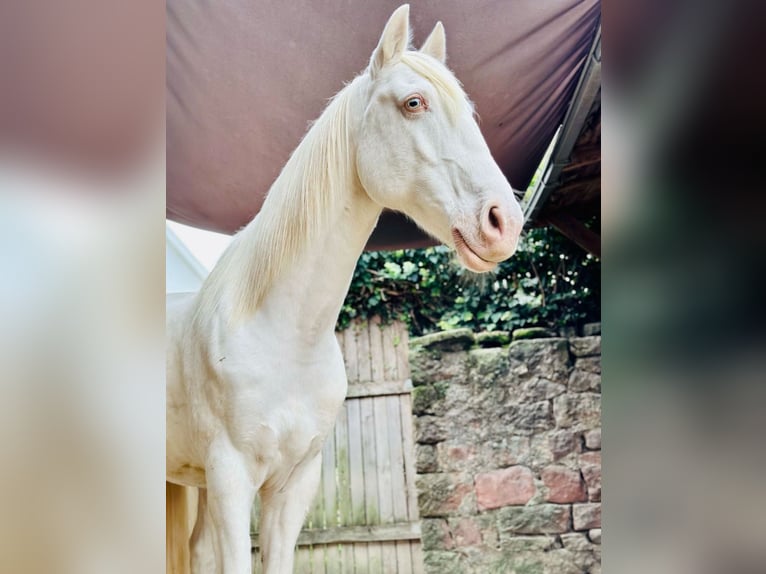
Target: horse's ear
<point x="436" y="43"/>
<point x="394" y="40"/>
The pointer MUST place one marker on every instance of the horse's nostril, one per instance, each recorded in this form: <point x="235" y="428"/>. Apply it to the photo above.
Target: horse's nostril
<point x="493" y="221"/>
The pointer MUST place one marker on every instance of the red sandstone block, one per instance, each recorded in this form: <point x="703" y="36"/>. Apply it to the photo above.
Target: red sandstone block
<point x="466" y="532"/>
<point x="505" y="487"/>
<point x="564" y="485"/>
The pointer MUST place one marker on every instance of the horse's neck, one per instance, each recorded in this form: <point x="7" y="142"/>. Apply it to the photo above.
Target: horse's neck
<point x="306" y="298"/>
<point x="306" y="283"/>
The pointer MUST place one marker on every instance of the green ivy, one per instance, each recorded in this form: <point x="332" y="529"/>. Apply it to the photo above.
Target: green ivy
<point x="549" y="282"/>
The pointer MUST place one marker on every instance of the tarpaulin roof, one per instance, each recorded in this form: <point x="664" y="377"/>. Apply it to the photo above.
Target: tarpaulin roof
<point x="244" y="79"/>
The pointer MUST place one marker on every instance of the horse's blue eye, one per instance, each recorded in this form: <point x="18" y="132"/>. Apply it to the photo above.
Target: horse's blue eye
<point x="415" y="104"/>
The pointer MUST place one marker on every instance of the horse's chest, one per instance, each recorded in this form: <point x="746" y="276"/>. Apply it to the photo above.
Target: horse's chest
<point x="281" y="415"/>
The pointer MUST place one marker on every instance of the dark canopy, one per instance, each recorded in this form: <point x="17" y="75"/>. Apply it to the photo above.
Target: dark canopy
<point x="245" y="78"/>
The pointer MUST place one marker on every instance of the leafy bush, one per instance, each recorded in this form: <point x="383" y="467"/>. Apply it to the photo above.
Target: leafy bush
<point x="549" y="282"/>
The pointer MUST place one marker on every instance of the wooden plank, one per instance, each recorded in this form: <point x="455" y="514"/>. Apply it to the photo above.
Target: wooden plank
<point x="388" y="334"/>
<point x="363" y="353"/>
<point x="318" y="559"/>
<point x="401" y="531"/>
<point x="303" y="560"/>
<point x="408" y="453"/>
<point x="383" y="461"/>
<point x="401" y="339"/>
<point x="361" y="557"/>
<point x="357" y="513"/>
<point x="388" y="551"/>
<point x="369" y="461"/>
<point x="350" y="354"/>
<point x="377" y="389"/>
<point x="347" y="559"/>
<point x="315" y="515"/>
<point x="343" y="469"/>
<point x="375" y="559"/>
<point x="350" y="534"/>
<point x="329" y="508"/>
<point x="396" y="450"/>
<point x="340" y="336"/>
<point x="403" y="557"/>
<point x="418" y="565"/>
<point x="333" y="559"/>
<point x="376" y="350"/>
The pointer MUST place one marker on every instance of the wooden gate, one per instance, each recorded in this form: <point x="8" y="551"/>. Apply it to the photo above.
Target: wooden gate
<point x="365" y="518"/>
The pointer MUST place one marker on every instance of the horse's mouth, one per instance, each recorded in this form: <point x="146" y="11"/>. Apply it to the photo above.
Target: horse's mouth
<point x="468" y="256"/>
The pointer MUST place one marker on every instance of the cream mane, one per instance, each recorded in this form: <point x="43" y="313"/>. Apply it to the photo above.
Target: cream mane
<point x="296" y="208"/>
<point x="308" y="188"/>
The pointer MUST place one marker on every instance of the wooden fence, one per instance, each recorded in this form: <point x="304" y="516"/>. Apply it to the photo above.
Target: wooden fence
<point x="365" y="518"/>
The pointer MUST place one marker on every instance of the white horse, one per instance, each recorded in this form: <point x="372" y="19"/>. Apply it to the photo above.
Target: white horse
<point x="255" y="376"/>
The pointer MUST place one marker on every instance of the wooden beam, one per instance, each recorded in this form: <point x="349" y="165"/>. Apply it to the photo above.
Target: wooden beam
<point x="341" y="534"/>
<point x="585" y="152"/>
<point x="578" y="184"/>
<point x="576" y="231"/>
<point x="575" y="165"/>
<point x="379" y="389"/>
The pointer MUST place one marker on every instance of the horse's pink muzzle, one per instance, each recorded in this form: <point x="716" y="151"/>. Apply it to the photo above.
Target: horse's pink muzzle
<point x="499" y="228"/>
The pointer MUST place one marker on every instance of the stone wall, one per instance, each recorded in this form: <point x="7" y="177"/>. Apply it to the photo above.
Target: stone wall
<point x="508" y="451"/>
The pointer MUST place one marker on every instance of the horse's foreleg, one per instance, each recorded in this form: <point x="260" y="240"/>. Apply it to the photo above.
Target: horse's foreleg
<point x="202" y="542"/>
<point x="230" y="494"/>
<point x="282" y="515"/>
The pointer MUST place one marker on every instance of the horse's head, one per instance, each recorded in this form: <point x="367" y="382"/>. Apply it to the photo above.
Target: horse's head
<point x="421" y="151"/>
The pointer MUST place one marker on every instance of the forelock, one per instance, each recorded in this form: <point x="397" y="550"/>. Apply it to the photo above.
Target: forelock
<point x="447" y="86"/>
